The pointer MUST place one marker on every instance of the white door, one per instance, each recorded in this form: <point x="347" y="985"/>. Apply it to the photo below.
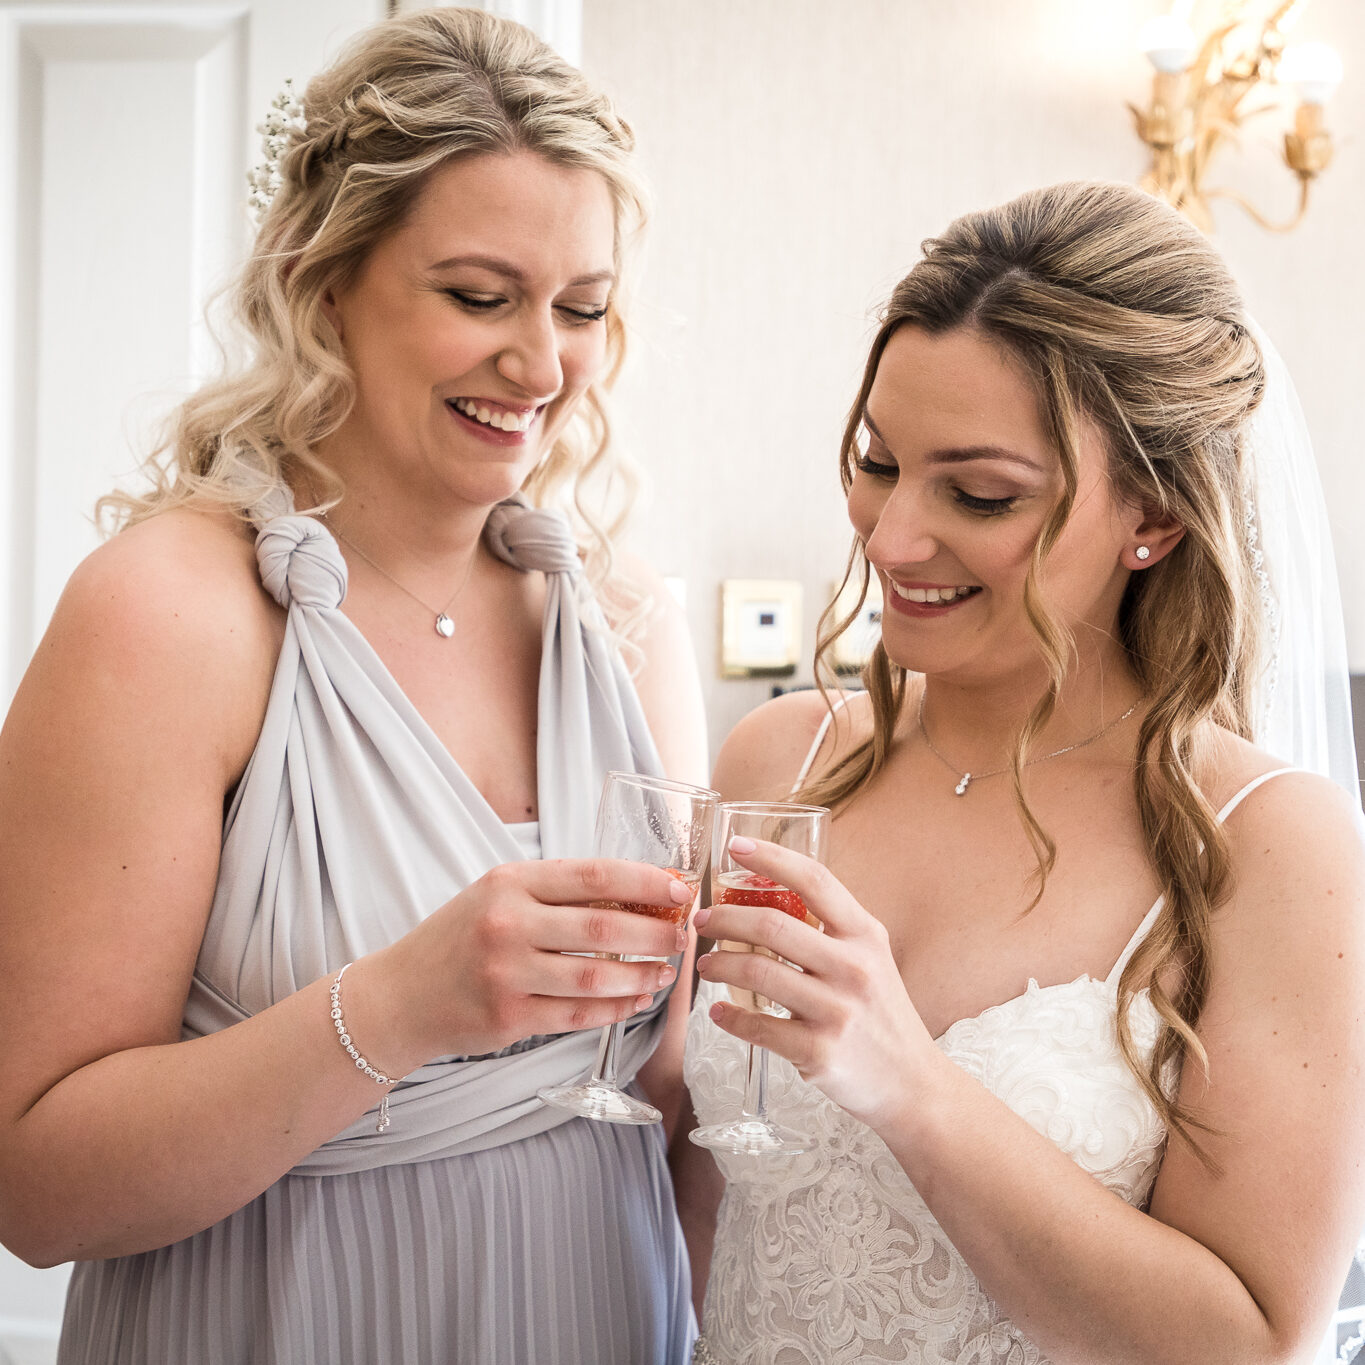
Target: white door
<point x="126" y="131"/>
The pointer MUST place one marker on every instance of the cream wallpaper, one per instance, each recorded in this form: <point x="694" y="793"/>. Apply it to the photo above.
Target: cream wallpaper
<point x="800" y="150"/>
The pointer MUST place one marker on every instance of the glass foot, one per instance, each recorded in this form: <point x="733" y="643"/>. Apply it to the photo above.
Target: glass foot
<point x="752" y="1137"/>
<point x="605" y="1103"/>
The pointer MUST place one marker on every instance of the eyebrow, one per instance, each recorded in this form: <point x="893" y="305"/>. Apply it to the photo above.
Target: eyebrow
<point x="512" y="272"/>
<point x="964" y="454"/>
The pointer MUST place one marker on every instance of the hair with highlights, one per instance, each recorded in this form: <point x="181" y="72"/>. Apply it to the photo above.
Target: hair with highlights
<point x="404" y="98"/>
<point x="1129" y="322"/>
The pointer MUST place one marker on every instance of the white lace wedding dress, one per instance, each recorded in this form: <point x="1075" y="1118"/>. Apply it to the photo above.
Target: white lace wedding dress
<point x="832" y="1257"/>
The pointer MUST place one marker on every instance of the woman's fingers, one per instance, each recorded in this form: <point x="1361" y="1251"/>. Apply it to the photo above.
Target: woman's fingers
<point x="596" y="929"/>
<point x="591" y="906"/>
<point x="788" y="1038"/>
<point x="798" y="992"/>
<point x="766" y="927"/>
<point x="564" y="974"/>
<point x="585" y="881"/>
<point x="825" y="896"/>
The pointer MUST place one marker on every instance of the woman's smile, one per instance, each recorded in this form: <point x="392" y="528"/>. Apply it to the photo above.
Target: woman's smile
<point x="497" y="423"/>
<point x="927" y="599"/>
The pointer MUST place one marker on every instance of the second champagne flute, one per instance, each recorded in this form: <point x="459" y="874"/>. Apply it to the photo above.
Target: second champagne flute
<point x="804" y="829"/>
<point x="644" y="820"/>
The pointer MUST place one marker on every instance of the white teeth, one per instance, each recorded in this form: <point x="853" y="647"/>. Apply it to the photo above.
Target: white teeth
<point x="499" y="421"/>
<point x="931" y="596"/>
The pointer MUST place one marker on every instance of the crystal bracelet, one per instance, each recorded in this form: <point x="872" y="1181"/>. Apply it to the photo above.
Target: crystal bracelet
<point x="361" y="1064"/>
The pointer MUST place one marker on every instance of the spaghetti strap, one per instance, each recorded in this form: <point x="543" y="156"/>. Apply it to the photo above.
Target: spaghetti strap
<point x="1251" y="787"/>
<point x="818" y="741"/>
<point x="1133" y="943"/>
<point x="1149" y="918"/>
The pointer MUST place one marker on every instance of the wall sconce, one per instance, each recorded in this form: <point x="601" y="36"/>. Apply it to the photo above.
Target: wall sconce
<point x="1202" y="93"/>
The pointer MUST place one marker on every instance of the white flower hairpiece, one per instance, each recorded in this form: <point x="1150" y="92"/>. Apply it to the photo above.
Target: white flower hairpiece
<point x="281" y="123"/>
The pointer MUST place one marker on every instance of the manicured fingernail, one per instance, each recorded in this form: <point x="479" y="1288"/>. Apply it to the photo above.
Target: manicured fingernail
<point x="680" y="941"/>
<point x="679" y="891"/>
<point x="704" y="963"/>
<point x="702" y="915"/>
<point x="666" y="974"/>
<point x="739" y="844"/>
<point x="716" y="1011"/>
<point x="643" y="1002"/>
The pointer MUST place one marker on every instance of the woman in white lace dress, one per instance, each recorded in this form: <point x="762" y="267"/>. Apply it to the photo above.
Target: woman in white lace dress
<point x="1081" y="1092"/>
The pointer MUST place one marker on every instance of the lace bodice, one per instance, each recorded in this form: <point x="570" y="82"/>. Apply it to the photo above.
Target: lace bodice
<point x="832" y="1257"/>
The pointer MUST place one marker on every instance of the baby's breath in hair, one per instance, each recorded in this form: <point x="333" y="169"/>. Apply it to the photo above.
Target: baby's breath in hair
<point x="284" y="122"/>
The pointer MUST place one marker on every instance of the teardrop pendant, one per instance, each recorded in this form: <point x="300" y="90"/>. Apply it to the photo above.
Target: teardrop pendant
<point x="445" y="626"/>
<point x="961" y="788"/>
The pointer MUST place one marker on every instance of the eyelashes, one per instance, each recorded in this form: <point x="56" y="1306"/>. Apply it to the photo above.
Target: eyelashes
<point x="983" y="507"/>
<point x="867" y="465"/>
<point x="986" y="507"/>
<point x="482" y="303"/>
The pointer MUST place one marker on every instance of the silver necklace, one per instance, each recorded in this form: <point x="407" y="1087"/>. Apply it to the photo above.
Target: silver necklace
<point x="445" y="627"/>
<point x="965" y="780"/>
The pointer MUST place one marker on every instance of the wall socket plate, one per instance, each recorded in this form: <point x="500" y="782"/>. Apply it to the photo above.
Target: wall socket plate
<point x="760" y="627"/>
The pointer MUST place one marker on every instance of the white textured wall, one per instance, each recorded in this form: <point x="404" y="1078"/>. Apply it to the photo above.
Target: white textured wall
<point x="800" y="150"/>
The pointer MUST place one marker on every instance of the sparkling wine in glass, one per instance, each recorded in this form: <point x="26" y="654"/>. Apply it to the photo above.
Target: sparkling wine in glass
<point x="805" y="829"/>
<point x="643" y="820"/>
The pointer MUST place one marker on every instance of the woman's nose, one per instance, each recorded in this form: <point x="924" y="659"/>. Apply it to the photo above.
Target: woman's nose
<point x="903" y="535"/>
<point x="531" y="358"/>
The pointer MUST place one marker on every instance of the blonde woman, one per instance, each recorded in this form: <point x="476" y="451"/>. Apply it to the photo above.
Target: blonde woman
<point x="1081" y="1043"/>
<point x="296" y="793"/>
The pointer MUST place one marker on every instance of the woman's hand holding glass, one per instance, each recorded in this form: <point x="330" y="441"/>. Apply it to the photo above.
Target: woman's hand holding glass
<point x="853" y="1031"/>
<point x="667" y="825"/>
<point x="529" y="948"/>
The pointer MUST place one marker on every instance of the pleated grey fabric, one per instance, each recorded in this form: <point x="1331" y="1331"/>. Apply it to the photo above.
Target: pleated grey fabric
<point x="482" y="1226"/>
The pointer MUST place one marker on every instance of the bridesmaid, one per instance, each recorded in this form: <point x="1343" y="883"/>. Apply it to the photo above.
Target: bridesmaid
<point x="294" y="796"/>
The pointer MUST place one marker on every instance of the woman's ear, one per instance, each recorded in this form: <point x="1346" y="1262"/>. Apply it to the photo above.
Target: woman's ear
<point x="1153" y="539"/>
<point x="332" y="313"/>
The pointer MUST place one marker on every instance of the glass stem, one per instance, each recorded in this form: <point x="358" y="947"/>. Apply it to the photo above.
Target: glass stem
<point x="756" y="1084"/>
<point x="604" y="1073"/>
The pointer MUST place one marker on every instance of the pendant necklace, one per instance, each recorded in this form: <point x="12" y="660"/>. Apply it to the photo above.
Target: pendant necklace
<point x="445" y="627"/>
<point x="965" y="780"/>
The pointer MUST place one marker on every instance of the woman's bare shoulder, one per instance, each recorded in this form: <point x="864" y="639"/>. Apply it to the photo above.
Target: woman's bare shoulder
<point x="167" y="618"/>
<point x="1297" y="841"/>
<point x="764" y="753"/>
<point x="188" y="571"/>
<point x="1232" y="765"/>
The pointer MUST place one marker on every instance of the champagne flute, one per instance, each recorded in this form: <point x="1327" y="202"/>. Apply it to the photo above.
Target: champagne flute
<point x="804" y="829"/>
<point x="645" y="820"/>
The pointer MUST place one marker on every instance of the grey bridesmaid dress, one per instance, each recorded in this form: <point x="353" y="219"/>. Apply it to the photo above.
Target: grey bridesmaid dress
<point x="481" y="1227"/>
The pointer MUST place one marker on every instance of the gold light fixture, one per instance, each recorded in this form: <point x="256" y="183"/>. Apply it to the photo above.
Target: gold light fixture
<point x="1203" y="92"/>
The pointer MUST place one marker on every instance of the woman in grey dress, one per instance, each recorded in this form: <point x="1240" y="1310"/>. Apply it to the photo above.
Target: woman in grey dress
<point x="340" y="692"/>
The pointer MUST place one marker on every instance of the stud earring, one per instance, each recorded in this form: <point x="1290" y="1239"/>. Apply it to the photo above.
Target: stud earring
<point x="1142" y="552"/>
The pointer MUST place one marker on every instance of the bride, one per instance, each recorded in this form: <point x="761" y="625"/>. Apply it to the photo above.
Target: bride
<point x="1081" y="1043"/>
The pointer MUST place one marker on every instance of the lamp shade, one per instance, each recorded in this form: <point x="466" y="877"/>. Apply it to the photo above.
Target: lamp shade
<point x="1168" y="42"/>
<point x="1313" y="69"/>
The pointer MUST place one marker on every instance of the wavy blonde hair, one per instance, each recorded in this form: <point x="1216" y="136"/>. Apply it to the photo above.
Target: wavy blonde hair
<point x="1128" y="321"/>
<point x="404" y="98"/>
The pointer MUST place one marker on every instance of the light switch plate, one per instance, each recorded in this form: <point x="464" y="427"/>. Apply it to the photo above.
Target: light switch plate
<point x="854" y="647"/>
<point x="760" y="627"/>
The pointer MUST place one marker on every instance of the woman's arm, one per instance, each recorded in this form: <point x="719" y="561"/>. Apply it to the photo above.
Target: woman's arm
<point x="1241" y="1264"/>
<point x="137" y="715"/>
